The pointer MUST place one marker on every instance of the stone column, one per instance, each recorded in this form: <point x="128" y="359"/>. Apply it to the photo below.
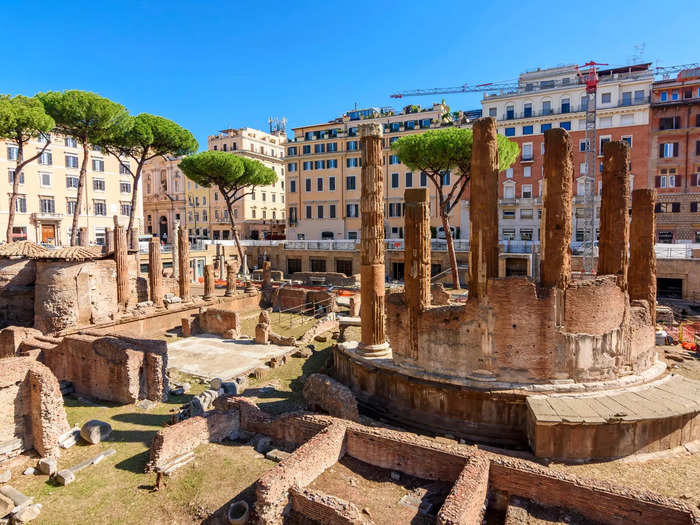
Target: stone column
<point x="267" y="275"/>
<point x="642" y="268"/>
<point x="184" y="264"/>
<point x="483" y="212"/>
<point x="555" y="229"/>
<point x="109" y="240"/>
<point x="121" y="258"/>
<point x="614" y="225"/>
<point x="373" y="342"/>
<point x="155" y="271"/>
<point x="82" y="236"/>
<point x="208" y="282"/>
<point x="416" y="260"/>
<point x="230" y="280"/>
<point x="174" y="242"/>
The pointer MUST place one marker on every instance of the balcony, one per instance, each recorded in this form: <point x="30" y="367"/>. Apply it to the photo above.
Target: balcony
<point x="41" y="216"/>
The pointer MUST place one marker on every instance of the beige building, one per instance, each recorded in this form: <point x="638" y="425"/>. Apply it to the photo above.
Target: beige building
<point x="261" y="214"/>
<point x="164" y="201"/>
<point x="323" y="174"/>
<point x="48" y="192"/>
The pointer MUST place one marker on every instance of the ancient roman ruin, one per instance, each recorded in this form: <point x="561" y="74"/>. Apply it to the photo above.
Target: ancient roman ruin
<point x="413" y="383"/>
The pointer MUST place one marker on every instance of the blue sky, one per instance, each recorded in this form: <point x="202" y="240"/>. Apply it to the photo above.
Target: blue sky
<point x="213" y="65"/>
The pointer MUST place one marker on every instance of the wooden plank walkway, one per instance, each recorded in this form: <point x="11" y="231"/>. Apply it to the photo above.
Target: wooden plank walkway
<point x="673" y="397"/>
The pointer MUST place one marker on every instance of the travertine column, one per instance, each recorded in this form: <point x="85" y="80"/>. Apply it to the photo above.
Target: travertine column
<point x="109" y="240"/>
<point x="416" y="260"/>
<point x="642" y="268"/>
<point x="231" y="272"/>
<point x="121" y="258"/>
<point x="83" y="236"/>
<point x="174" y="242"/>
<point x="208" y="282"/>
<point x="183" y="264"/>
<point x="373" y="341"/>
<point x="614" y="205"/>
<point x="155" y="271"/>
<point x="483" y="212"/>
<point x="555" y="229"/>
<point x="267" y="275"/>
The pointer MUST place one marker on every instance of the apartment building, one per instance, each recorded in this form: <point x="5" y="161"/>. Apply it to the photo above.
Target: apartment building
<point x="674" y="160"/>
<point x="260" y="215"/>
<point x="197" y="211"/>
<point x="164" y="197"/>
<point x="48" y="191"/>
<point x="323" y="173"/>
<point x="554" y="97"/>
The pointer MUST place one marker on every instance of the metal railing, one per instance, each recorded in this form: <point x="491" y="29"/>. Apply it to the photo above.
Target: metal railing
<point x="302" y="314"/>
<point x="340" y="245"/>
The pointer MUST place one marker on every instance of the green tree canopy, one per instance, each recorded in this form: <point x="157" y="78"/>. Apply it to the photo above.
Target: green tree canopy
<point x="89" y="118"/>
<point x="234" y="176"/>
<point x="22" y="119"/>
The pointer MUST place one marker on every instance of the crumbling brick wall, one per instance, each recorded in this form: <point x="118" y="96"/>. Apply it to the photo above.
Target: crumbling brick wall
<point x="290" y="299"/>
<point x="187" y="435"/>
<point x="323" y="508"/>
<point x="12" y="337"/>
<point x="31" y="406"/>
<point x="466" y="501"/>
<point x="216" y="320"/>
<point x="17" y="278"/>
<point x="330" y="396"/>
<point x="111" y="368"/>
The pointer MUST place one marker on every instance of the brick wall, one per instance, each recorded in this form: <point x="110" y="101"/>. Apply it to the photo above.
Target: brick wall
<point x="466" y="502"/>
<point x="217" y="320"/>
<point x="17" y="278"/>
<point x="324" y="508"/>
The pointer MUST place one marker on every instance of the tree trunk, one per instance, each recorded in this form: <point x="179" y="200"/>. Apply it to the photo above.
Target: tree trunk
<point x="236" y="238"/>
<point x="450" y="248"/>
<point x="20" y="164"/>
<point x="81" y="184"/>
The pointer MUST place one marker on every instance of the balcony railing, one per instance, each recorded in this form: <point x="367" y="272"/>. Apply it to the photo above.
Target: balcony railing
<point x="346" y="245"/>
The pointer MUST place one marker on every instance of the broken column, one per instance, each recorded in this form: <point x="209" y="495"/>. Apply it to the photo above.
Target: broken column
<point x="614" y="228"/>
<point x="231" y="271"/>
<point x="83" y="236"/>
<point x="183" y="264"/>
<point x="121" y="259"/>
<point x="208" y="282"/>
<point x="557" y="189"/>
<point x="642" y="267"/>
<point x="109" y="240"/>
<point x="373" y="341"/>
<point x="416" y="260"/>
<point x="174" y="243"/>
<point x="155" y="271"/>
<point x="483" y="214"/>
<point x="267" y="275"/>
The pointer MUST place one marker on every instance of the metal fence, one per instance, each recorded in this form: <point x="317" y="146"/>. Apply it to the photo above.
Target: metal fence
<point x="302" y="314"/>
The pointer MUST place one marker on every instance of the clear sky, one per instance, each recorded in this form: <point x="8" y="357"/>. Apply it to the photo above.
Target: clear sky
<point x="210" y="65"/>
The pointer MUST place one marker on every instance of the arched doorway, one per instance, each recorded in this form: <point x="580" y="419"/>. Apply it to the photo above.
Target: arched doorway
<point x="163" y="228"/>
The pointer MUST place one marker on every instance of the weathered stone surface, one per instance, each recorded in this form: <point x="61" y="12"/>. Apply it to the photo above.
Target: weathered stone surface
<point x="219" y="320"/>
<point x="155" y="271"/>
<point x="416" y="260"/>
<point x="65" y="477"/>
<point x="483" y="212"/>
<point x="262" y="334"/>
<point x="231" y="272"/>
<point x="27" y="514"/>
<point x="184" y="264"/>
<point x="48" y="466"/>
<point x="614" y="206"/>
<point x="186" y="327"/>
<point x="439" y="296"/>
<point x="5" y="475"/>
<point x="95" y="431"/>
<point x="17" y="290"/>
<point x="642" y="268"/>
<point x="555" y="263"/>
<point x="262" y="444"/>
<point x="209" y="281"/>
<point x="281" y="340"/>
<point x="6" y="505"/>
<point x="120" y="258"/>
<point x="355" y="303"/>
<point x="330" y="396"/>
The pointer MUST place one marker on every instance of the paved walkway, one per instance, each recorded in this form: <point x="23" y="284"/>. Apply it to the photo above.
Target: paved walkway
<point x="665" y="398"/>
<point x="210" y="356"/>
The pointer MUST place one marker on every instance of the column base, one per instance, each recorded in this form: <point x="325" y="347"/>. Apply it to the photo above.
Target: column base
<point x="381" y="350"/>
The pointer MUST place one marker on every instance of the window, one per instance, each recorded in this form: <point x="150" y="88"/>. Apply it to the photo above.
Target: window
<point x="409" y="179"/>
<point x="318" y="265"/>
<point x="509" y="190"/>
<point x="508" y="234"/>
<point x="72" y="181"/>
<point x="509" y="173"/>
<point x="669" y="123"/>
<point x="292" y="166"/>
<point x="510" y="112"/>
<point x="98" y="184"/>
<point x="293" y="186"/>
<point x="308" y="165"/>
<point x="510" y="132"/>
<point x="11" y="177"/>
<point x="527" y="110"/>
<point x="332" y="147"/>
<point x="493" y="112"/>
<point x="331" y="211"/>
<point x="565" y="105"/>
<point x="45" y="179"/>
<point x="352" y="145"/>
<point x="47" y="205"/>
<point x="526" y="235"/>
<point x="319" y="164"/>
<point x="394" y="180"/>
<point x="319" y="211"/>
<point x="668" y="150"/>
<point x="527" y="130"/>
<point x="526" y="213"/>
<point x="605" y="122"/>
<point x="124" y="168"/>
<point x="664" y="96"/>
<point x="603" y="140"/>
<point x="527" y="171"/>
<point x="582" y="145"/>
<point x="605" y="98"/>
<point x="547" y="107"/>
<point x="352" y="210"/>
<point x="319" y="184"/>
<point x="584" y="103"/>
<point x="350" y="182"/>
<point x="319" y="148"/>
<point x="352" y="162"/>
<point x="71" y="161"/>
<point x="331" y="183"/>
<point x="666" y="237"/>
<point x="697" y="146"/>
<point x="307" y="149"/>
<point x="393" y="159"/>
<point x="396" y="209"/>
<point x="626" y="98"/>
<point x="21" y="204"/>
<point x="694" y="207"/>
<point x="19" y="233"/>
<point x="12" y="152"/>
<point x="565" y="125"/>
<point x="674" y="95"/>
<point x="46" y="159"/>
<point x="125" y="209"/>
<point x="527" y="191"/>
<point x="332" y="163"/>
<point x="527" y="151"/>
<point x="309" y="212"/>
<point x="125" y="187"/>
<point x="98" y="165"/>
<point x="545" y="127"/>
<point x="627" y="139"/>
<point x="423" y="179"/>
<point x="639" y="96"/>
<point x="291" y="151"/>
<point x="70" y="142"/>
<point x="308" y="184"/>
<point x="445" y="178"/>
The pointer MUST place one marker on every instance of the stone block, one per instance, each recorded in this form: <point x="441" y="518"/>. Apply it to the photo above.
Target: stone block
<point x="27" y="514"/>
<point x="48" y="466"/>
<point x="260" y="373"/>
<point x="262" y="334"/>
<point x="277" y="455"/>
<point x="186" y="327"/>
<point x="262" y="444"/>
<point x="5" y="475"/>
<point x="6" y="505"/>
<point x="65" y="477"/>
<point x="95" y="431"/>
